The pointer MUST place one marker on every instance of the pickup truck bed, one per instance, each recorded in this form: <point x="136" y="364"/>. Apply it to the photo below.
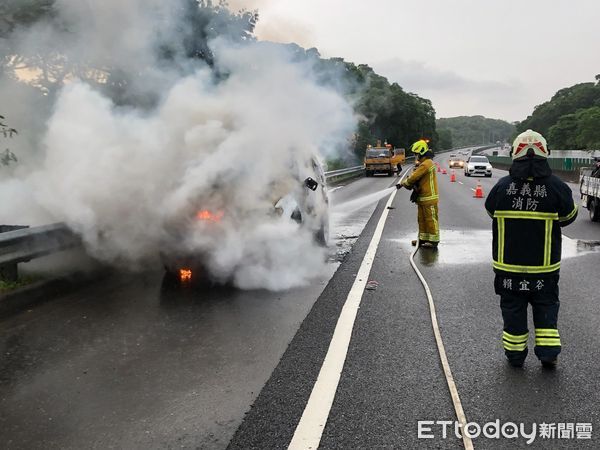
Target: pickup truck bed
<point x="589" y="188"/>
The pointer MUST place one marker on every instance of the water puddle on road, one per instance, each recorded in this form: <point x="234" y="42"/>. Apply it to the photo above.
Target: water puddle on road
<point x="475" y="247"/>
<point x="348" y="220"/>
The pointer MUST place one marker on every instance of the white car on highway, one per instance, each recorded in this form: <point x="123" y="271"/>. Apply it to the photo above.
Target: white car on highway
<point x="478" y="165"/>
<point x="455" y="161"/>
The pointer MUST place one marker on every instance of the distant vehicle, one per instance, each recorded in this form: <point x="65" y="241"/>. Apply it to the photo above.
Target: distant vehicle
<point x="456" y="161"/>
<point x="589" y="188"/>
<point x="378" y="159"/>
<point x="301" y="198"/>
<point x="398" y="158"/>
<point x="478" y="165"/>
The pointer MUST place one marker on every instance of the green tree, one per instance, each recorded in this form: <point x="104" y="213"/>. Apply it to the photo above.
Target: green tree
<point x="588" y="128"/>
<point x="445" y="138"/>
<point x="580" y="131"/>
<point x="22" y="13"/>
<point x="563" y="134"/>
<point x="388" y="113"/>
<point x="472" y="130"/>
<point x="565" y="101"/>
<point x="50" y="65"/>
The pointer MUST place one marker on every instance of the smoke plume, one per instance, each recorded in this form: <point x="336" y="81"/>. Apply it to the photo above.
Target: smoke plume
<point x="229" y="139"/>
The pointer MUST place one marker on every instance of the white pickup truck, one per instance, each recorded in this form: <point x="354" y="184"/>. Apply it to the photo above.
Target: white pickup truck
<point x="589" y="187"/>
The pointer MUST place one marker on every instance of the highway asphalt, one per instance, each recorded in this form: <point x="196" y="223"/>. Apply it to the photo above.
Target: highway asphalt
<point x="392" y="377"/>
<point x="127" y="363"/>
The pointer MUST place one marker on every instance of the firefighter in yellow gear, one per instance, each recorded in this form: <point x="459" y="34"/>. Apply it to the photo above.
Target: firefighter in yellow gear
<point x="423" y="181"/>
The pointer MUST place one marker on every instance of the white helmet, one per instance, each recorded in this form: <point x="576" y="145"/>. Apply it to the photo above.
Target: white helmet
<point x="529" y="140"/>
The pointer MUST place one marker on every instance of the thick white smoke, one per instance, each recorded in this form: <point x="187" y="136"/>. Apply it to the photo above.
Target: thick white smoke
<point x="130" y="181"/>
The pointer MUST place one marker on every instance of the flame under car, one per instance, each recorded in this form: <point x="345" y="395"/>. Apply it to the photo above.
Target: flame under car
<point x="301" y="199"/>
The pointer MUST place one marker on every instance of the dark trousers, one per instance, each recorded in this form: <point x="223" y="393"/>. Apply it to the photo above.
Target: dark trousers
<point x="515" y="294"/>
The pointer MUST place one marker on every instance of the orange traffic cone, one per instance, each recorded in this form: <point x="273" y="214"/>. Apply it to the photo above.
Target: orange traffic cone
<point x="444" y="171"/>
<point x="478" y="191"/>
<point x="439" y="169"/>
<point x="453" y="176"/>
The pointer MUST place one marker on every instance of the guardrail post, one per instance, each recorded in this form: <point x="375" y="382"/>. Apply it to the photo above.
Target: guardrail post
<point x="9" y="272"/>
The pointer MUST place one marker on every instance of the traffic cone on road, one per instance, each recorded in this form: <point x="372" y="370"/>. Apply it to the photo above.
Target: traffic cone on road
<point x="478" y="191"/>
<point x="444" y="171"/>
<point x="439" y="169"/>
<point x="453" y="176"/>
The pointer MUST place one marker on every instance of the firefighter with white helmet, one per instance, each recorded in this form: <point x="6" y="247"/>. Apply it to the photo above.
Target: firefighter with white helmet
<point x="423" y="181"/>
<point x="529" y="207"/>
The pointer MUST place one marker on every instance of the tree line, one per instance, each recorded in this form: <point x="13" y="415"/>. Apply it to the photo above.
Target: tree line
<point x="472" y="130"/>
<point x="570" y="119"/>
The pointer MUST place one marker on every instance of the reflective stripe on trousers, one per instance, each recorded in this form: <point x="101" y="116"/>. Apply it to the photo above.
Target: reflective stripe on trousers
<point x="429" y="229"/>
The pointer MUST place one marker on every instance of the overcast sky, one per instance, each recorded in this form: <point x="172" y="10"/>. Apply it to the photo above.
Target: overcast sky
<point x="498" y="58"/>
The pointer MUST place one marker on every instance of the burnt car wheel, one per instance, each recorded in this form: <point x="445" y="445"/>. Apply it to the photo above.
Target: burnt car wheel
<point x="322" y="234"/>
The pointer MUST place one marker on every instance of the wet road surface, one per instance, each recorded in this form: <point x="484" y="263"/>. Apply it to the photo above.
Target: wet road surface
<point x="126" y="363"/>
<point x="129" y="362"/>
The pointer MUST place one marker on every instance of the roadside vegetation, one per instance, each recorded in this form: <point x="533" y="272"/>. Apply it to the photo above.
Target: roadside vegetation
<point x="472" y="130"/>
<point x="9" y="286"/>
<point x="570" y="119"/>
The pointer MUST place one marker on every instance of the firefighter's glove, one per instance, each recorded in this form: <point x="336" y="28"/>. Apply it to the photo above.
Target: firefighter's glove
<point x="414" y="196"/>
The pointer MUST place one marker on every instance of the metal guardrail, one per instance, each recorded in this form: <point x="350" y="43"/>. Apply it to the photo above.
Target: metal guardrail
<point x="25" y="244"/>
<point x="333" y="174"/>
<point x="561" y="164"/>
<point x="349" y="170"/>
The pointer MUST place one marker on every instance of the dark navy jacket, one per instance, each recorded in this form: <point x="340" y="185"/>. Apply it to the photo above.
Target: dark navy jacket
<point x="529" y="207"/>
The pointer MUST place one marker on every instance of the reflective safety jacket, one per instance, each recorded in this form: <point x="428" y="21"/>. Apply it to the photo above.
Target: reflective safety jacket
<point x="425" y="179"/>
<point x="528" y="214"/>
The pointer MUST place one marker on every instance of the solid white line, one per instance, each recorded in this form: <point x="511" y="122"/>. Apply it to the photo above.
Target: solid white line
<point x="312" y="423"/>
<point x="460" y="414"/>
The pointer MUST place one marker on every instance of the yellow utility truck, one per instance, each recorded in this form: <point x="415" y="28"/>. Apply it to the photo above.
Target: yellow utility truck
<point x="378" y="159"/>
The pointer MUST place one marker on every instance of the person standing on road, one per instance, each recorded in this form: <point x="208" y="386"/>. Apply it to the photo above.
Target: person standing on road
<point x="529" y="207"/>
<point x="423" y="181"/>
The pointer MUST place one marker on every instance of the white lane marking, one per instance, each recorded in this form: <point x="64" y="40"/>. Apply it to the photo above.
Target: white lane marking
<point x="460" y="414"/>
<point x="473" y="189"/>
<point x="314" y="418"/>
<point x="460" y="182"/>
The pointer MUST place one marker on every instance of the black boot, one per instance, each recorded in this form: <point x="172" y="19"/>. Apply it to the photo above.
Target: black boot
<point x="549" y="363"/>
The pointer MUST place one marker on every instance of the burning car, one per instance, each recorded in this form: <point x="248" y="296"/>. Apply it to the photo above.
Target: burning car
<point x="298" y="197"/>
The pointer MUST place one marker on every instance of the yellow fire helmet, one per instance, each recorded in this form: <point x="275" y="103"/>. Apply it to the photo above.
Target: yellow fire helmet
<point x="420" y="147"/>
<point x="530" y="140"/>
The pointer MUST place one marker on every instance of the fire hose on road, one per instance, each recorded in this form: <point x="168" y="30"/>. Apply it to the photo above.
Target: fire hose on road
<point x="310" y="429"/>
<point x="460" y="414"/>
